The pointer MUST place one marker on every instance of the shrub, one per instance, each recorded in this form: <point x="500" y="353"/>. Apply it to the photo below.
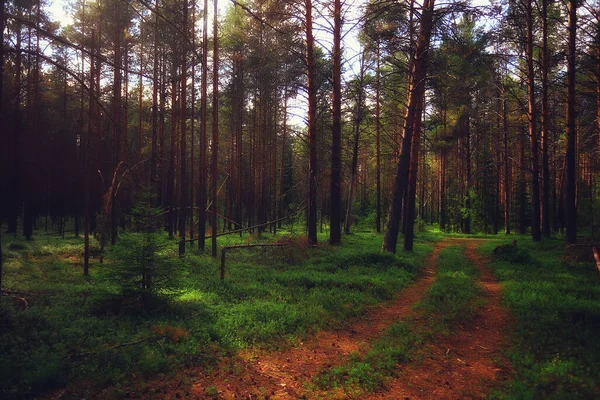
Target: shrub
<point x="143" y="268"/>
<point x="512" y="254"/>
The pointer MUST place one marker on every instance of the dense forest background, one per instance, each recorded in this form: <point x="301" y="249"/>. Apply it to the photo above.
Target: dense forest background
<point x="476" y="118"/>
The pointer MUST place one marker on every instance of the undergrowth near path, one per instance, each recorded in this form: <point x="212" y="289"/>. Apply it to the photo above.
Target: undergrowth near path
<point x="555" y="300"/>
<point x="75" y="333"/>
<point x="452" y="298"/>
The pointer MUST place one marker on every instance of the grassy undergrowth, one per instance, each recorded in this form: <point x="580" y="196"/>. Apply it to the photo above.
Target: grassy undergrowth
<point x="556" y="304"/>
<point x="66" y="330"/>
<point x="453" y="297"/>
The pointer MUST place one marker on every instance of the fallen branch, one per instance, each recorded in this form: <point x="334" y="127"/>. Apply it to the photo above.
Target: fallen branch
<point x="244" y="246"/>
<point x="596" y="257"/>
<point x="90" y="353"/>
<point x="248" y="228"/>
<point x="13" y="293"/>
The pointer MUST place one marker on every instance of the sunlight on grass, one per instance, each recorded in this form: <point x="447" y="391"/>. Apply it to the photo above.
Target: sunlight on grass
<point x="269" y="298"/>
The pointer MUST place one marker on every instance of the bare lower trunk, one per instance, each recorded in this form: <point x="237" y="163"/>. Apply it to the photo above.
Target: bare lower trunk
<point x="312" y="127"/>
<point x="417" y="90"/>
<point x="571" y="173"/>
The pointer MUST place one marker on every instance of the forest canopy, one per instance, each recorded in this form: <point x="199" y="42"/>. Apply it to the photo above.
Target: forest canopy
<point x="247" y="115"/>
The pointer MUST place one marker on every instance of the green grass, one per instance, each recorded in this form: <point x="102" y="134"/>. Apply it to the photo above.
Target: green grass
<point x="556" y="304"/>
<point x="453" y="297"/>
<point x="77" y="334"/>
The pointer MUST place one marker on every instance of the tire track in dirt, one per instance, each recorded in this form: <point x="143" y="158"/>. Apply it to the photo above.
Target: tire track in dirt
<point x="467" y="363"/>
<point x="299" y="364"/>
<point x="282" y="374"/>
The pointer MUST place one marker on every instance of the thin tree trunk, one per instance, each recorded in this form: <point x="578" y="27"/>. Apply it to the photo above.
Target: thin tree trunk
<point x="378" y="141"/>
<point x="507" y="169"/>
<point x="173" y="139"/>
<point x="354" y="166"/>
<point x="2" y="127"/>
<point x="183" y="184"/>
<point x="88" y="166"/>
<point x="312" y="127"/>
<point x="336" y="131"/>
<point x="192" y="181"/>
<point x="155" y="83"/>
<point x="571" y="175"/>
<point x="140" y="92"/>
<point x="282" y="169"/>
<point x="215" y="130"/>
<point x="522" y="189"/>
<point x="544" y="125"/>
<point x="203" y="133"/>
<point x="535" y="184"/>
<point x="467" y="218"/>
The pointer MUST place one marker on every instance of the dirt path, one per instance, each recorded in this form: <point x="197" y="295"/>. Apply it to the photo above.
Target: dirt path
<point x="281" y="375"/>
<point x="460" y="366"/>
<point x="466" y="364"/>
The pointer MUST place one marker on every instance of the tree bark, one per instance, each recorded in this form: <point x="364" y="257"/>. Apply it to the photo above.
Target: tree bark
<point x="155" y="83"/>
<point x="378" y="141"/>
<point x="535" y="184"/>
<point x="545" y="125"/>
<point x="571" y="173"/>
<point x="2" y="127"/>
<point x="203" y="133"/>
<point x="215" y="130"/>
<point x="312" y="127"/>
<point x="507" y="169"/>
<point x="354" y="166"/>
<point x="183" y="184"/>
<point x="409" y="234"/>
<point x="336" y="131"/>
<point x="417" y="90"/>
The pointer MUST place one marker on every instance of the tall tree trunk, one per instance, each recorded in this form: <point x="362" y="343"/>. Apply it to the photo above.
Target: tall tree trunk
<point x="88" y="165"/>
<point x="192" y="181"/>
<point x="183" y="184"/>
<point x="155" y="83"/>
<point x="414" y="110"/>
<point x="354" y="166"/>
<point x="282" y="168"/>
<point x="336" y="130"/>
<point x="378" y="141"/>
<point x="140" y="91"/>
<point x="173" y="138"/>
<point x="535" y="175"/>
<point x="312" y="126"/>
<point x="467" y="217"/>
<point x="202" y="195"/>
<point x="571" y="170"/>
<point x="522" y="189"/>
<point x="2" y="127"/>
<point x="215" y="130"/>
<point x="545" y="125"/>
<point x="409" y="233"/>
<point x="507" y="169"/>
<point x="443" y="166"/>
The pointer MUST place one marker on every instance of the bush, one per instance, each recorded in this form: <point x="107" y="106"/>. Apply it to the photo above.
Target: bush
<point x="512" y="254"/>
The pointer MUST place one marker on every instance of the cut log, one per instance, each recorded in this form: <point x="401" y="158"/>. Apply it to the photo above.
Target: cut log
<point x="596" y="257"/>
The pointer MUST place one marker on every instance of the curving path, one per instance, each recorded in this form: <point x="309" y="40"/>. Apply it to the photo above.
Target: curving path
<point x="461" y="365"/>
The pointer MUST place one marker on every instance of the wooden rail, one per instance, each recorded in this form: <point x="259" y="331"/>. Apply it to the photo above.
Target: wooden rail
<point x="244" y="246"/>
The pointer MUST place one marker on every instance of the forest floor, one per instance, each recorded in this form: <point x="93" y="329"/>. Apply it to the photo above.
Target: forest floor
<point x="465" y="362"/>
<point x="456" y="318"/>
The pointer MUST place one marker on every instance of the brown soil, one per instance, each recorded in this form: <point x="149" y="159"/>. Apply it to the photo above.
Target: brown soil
<point x="459" y="366"/>
<point x="466" y="364"/>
